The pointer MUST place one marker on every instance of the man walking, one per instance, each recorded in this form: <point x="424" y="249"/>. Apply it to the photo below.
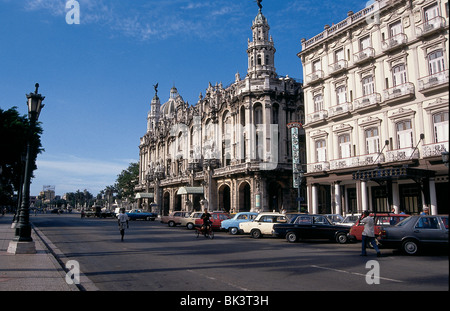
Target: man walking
<point x="368" y="235"/>
<point x="123" y="221"/>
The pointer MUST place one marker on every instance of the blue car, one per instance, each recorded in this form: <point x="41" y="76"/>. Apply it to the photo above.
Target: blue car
<point x="232" y="225"/>
<point x="139" y="214"/>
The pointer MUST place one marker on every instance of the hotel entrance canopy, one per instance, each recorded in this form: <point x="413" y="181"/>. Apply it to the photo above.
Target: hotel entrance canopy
<point x="144" y="195"/>
<point x="190" y="190"/>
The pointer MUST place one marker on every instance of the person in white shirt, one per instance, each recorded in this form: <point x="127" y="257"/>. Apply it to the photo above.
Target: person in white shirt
<point x="123" y="221"/>
<point x="368" y="235"/>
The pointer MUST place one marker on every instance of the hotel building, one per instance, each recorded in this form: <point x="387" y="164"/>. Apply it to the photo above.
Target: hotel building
<point x="376" y="108"/>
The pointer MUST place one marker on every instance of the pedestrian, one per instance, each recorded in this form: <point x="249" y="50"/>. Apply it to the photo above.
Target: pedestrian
<point x="122" y="220"/>
<point x="368" y="234"/>
<point x="426" y="211"/>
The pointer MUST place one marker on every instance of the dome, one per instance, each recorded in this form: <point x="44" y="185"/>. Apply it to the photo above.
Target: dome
<point x="168" y="108"/>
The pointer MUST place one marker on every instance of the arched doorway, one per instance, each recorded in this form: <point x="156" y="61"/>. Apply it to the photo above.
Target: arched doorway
<point x="244" y="197"/>
<point x="225" y="198"/>
<point x="166" y="204"/>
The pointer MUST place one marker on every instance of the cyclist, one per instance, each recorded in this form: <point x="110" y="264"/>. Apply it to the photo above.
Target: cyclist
<point x="206" y="221"/>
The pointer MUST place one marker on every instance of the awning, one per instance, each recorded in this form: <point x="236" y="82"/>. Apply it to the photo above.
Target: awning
<point x="144" y="195"/>
<point x="190" y="190"/>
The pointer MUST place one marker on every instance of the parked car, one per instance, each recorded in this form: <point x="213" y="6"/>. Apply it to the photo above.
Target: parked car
<point x="349" y="220"/>
<point x="189" y="221"/>
<point x="140" y="214"/>
<point x="334" y="218"/>
<point x="381" y="219"/>
<point x="311" y="227"/>
<point x="232" y="225"/>
<point x="416" y="232"/>
<point x="216" y="218"/>
<point x="262" y="224"/>
<point x="174" y="218"/>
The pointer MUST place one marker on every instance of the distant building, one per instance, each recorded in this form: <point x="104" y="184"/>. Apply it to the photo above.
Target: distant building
<point x="376" y="105"/>
<point x="231" y="150"/>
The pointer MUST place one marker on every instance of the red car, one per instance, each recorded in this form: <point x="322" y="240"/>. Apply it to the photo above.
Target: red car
<point x="216" y="218"/>
<point x="381" y="219"/>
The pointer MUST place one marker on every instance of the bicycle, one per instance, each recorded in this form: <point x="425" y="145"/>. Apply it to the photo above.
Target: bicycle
<point x="207" y="232"/>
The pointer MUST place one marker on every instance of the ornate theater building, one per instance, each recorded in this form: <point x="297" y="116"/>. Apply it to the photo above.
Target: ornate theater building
<point x="230" y="151"/>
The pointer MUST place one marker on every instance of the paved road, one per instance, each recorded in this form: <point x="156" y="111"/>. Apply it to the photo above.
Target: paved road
<point x="154" y="257"/>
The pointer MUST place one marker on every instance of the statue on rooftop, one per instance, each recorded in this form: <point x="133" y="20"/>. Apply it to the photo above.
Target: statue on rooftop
<point x="259" y="4"/>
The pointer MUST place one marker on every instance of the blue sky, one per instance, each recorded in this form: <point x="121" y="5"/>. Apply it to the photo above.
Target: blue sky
<point x="98" y="76"/>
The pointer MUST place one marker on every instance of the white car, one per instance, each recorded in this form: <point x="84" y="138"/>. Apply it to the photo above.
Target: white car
<point x="262" y="224"/>
<point x="349" y="220"/>
<point x="189" y="221"/>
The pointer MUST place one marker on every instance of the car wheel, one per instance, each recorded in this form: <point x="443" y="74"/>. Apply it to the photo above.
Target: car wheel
<point x="233" y="230"/>
<point x="341" y="238"/>
<point x="410" y="247"/>
<point x="171" y="224"/>
<point x="291" y="237"/>
<point x="256" y="234"/>
<point x="190" y="226"/>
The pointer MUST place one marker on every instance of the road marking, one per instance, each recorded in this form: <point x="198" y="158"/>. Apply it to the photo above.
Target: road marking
<point x="212" y="278"/>
<point x="354" y="273"/>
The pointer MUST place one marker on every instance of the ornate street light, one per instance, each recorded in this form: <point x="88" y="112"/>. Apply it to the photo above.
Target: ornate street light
<point x="22" y="242"/>
<point x="445" y="158"/>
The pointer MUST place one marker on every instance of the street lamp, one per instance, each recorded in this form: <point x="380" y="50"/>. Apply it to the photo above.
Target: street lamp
<point x="445" y="158"/>
<point x="22" y="242"/>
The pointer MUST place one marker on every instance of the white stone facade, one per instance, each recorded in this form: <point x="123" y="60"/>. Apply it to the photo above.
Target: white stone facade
<point x="376" y="99"/>
<point x="231" y="150"/>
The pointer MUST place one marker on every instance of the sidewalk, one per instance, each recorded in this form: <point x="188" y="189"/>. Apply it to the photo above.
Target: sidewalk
<point x="29" y="272"/>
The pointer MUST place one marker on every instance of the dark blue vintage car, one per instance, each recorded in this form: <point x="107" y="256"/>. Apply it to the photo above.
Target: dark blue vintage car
<point x="139" y="214"/>
<point x="311" y="227"/>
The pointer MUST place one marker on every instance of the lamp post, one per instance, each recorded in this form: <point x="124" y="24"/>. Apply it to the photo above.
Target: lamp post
<point x="445" y="158"/>
<point x="22" y="242"/>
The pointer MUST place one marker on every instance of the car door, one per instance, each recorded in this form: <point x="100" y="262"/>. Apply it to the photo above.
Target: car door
<point x="428" y="230"/>
<point x="321" y="227"/>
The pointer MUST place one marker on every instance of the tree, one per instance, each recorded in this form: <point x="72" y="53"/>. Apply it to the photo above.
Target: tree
<point x="127" y="181"/>
<point x="14" y="134"/>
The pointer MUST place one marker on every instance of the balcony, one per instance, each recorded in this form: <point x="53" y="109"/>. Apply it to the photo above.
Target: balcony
<point x="314" y="77"/>
<point x="338" y="66"/>
<point x="402" y="154"/>
<point x="339" y="110"/>
<point x="364" y="55"/>
<point x="318" y="167"/>
<point x="318" y="116"/>
<point x="344" y="163"/>
<point x="367" y="101"/>
<point x="399" y="92"/>
<point x="434" y="150"/>
<point x="394" y="42"/>
<point x="434" y="82"/>
<point x="430" y="26"/>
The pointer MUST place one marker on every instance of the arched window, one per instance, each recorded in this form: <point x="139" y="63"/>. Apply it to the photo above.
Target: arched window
<point x="257" y="114"/>
<point x="321" y="150"/>
<point x="440" y="126"/>
<point x="436" y="62"/>
<point x="404" y="134"/>
<point x="345" y="146"/>
<point x="399" y="74"/>
<point x="372" y="140"/>
<point x="368" y="85"/>
<point x="341" y="95"/>
<point x="318" y="103"/>
<point x="275" y="108"/>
